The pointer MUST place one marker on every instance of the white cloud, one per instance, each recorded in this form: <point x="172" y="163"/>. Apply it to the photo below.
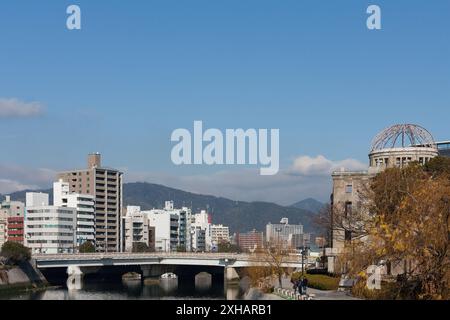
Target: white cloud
<point x="16" y="178"/>
<point x="14" y="108"/>
<point x="321" y="166"/>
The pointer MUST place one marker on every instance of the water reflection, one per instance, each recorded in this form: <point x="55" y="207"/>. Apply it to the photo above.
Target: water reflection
<point x="202" y="288"/>
<point x="203" y="282"/>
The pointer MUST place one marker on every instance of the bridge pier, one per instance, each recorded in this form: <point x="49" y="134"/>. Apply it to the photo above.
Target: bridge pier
<point x="231" y="274"/>
<point x="75" y="278"/>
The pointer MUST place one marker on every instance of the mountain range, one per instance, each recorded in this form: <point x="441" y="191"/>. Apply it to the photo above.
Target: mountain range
<point x="240" y="216"/>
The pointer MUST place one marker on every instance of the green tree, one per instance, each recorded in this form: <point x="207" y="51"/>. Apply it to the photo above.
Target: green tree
<point x="181" y="248"/>
<point x="87" y="247"/>
<point x="140" y="247"/>
<point x="438" y="166"/>
<point x="15" y="253"/>
<point x="228" y="247"/>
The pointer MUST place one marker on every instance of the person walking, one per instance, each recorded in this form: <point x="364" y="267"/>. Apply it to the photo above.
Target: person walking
<point x="304" y="285"/>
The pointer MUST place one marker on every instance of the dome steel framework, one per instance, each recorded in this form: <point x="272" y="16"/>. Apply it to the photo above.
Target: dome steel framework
<point x="403" y="136"/>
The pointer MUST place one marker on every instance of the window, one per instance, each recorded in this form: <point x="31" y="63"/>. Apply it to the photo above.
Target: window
<point x="348" y="208"/>
<point x="349" y="188"/>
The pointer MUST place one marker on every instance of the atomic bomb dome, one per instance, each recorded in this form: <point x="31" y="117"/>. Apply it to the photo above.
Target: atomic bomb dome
<point x="401" y="144"/>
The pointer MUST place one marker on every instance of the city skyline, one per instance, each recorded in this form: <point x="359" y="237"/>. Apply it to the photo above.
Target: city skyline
<point x="120" y="88"/>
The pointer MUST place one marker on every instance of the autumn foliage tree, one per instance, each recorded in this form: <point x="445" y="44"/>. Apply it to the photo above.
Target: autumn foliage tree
<point x="408" y="227"/>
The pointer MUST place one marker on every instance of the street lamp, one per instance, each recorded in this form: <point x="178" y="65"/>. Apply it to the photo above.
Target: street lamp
<point x="304" y="251"/>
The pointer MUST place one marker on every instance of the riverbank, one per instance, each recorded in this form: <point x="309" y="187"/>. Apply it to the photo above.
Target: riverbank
<point x="24" y="277"/>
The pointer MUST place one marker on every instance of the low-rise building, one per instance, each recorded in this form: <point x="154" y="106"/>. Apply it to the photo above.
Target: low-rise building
<point x="13" y="212"/>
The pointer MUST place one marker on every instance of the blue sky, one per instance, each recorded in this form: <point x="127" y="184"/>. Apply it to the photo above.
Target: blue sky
<point x="140" y="69"/>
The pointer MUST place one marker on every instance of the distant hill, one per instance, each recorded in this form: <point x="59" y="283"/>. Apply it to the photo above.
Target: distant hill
<point x="309" y="204"/>
<point x="240" y="216"/>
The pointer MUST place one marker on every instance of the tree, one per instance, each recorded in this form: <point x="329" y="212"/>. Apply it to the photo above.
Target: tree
<point x="87" y="247"/>
<point x="15" y="252"/>
<point x="181" y="248"/>
<point x="408" y="225"/>
<point x="228" y="247"/>
<point x="269" y="263"/>
<point x="140" y="247"/>
<point x="438" y="166"/>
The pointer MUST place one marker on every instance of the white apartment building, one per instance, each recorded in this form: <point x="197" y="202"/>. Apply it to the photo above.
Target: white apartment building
<point x="219" y="234"/>
<point x="49" y="229"/>
<point x="85" y="209"/>
<point x="283" y="232"/>
<point x="200" y="232"/>
<point x="166" y="225"/>
<point x="136" y="228"/>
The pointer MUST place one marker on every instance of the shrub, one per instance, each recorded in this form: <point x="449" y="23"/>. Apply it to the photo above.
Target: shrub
<point x="15" y="253"/>
<point x="319" y="281"/>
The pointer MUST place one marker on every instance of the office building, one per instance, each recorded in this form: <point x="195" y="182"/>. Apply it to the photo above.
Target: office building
<point x="250" y="241"/>
<point x="279" y="234"/>
<point x="443" y="148"/>
<point x="105" y="184"/>
<point x="84" y="205"/>
<point x="49" y="229"/>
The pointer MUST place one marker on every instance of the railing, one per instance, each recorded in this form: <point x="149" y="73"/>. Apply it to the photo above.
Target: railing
<point x="126" y="255"/>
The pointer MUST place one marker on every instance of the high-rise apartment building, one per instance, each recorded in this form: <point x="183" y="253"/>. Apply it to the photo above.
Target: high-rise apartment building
<point x="105" y="184"/>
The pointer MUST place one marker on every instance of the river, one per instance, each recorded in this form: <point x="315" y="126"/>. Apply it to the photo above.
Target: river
<point x="137" y="290"/>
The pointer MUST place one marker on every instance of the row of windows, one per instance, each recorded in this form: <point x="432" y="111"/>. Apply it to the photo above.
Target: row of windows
<point x="50" y="211"/>
<point x="50" y="241"/>
<point x="49" y="219"/>
<point x="399" y="161"/>
<point x="50" y="234"/>
<point x="41" y="226"/>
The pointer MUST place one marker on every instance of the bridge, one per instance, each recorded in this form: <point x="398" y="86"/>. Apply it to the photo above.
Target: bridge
<point x="156" y="264"/>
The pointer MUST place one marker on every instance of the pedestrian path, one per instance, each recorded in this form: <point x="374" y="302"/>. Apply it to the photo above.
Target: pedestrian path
<point x="312" y="294"/>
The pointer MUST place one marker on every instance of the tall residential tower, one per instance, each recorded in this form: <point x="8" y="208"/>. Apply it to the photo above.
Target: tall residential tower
<point x="105" y="184"/>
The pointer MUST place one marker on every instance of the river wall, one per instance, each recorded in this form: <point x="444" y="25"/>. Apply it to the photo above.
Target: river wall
<point x="25" y="275"/>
